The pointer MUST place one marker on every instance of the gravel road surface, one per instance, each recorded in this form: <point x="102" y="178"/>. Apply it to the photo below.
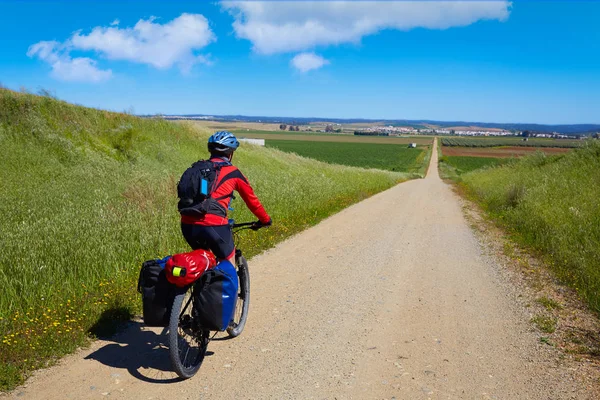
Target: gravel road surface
<point x="390" y="298"/>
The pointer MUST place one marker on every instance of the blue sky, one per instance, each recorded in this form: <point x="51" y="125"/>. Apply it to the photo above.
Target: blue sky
<point x="492" y="61"/>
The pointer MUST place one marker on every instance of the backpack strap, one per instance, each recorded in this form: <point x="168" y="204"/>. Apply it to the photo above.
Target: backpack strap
<point x="218" y="166"/>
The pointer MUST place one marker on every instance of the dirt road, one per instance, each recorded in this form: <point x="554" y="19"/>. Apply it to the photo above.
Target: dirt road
<point x="391" y="298"/>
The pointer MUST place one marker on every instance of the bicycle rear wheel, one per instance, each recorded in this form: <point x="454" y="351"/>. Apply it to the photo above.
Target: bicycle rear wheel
<point x="187" y="343"/>
<point x="240" y="314"/>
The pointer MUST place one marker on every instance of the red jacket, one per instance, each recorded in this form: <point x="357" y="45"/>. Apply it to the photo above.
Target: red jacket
<point x="230" y="178"/>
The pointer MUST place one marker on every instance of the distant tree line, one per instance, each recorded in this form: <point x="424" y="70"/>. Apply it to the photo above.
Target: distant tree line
<point x="329" y="128"/>
<point x="291" y="128"/>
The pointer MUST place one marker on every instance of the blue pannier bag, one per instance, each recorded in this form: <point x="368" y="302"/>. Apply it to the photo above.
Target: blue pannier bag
<point x="215" y="296"/>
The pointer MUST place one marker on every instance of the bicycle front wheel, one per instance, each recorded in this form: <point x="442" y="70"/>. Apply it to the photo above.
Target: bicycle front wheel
<point x="243" y="301"/>
<point x="187" y="343"/>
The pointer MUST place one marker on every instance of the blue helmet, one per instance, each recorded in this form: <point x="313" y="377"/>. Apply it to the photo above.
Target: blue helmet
<point x="222" y="142"/>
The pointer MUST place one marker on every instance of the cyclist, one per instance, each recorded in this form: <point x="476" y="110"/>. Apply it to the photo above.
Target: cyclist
<point x="212" y="231"/>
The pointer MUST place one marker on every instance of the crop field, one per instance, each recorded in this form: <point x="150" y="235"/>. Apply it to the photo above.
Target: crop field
<point x="459" y="156"/>
<point x="510" y="141"/>
<point x="500" y="152"/>
<point x="87" y="195"/>
<point x="460" y="165"/>
<point x="392" y="157"/>
<point x="325" y="137"/>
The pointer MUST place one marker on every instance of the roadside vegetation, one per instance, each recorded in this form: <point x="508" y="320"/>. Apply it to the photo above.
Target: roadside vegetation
<point x="452" y="167"/>
<point x="87" y="195"/>
<point x="392" y="157"/>
<point x="550" y="204"/>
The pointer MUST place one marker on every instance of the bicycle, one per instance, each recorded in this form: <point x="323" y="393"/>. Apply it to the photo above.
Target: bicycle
<point x="187" y="355"/>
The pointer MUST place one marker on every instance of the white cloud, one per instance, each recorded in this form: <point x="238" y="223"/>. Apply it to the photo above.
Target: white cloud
<point x="305" y="62"/>
<point x="148" y="42"/>
<point x="288" y="26"/>
<point x="45" y="50"/>
<point x="79" y="69"/>
<point x="65" y="68"/>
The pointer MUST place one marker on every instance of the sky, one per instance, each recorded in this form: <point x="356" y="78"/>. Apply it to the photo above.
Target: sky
<point x="487" y="61"/>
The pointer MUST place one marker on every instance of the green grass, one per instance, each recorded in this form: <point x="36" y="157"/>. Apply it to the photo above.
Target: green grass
<point x="510" y="141"/>
<point x="392" y="157"/>
<point x="548" y="303"/>
<point x="545" y="323"/>
<point x="451" y="167"/>
<point x="87" y="195"/>
<point x="423" y="160"/>
<point x="551" y="204"/>
<point x="546" y="340"/>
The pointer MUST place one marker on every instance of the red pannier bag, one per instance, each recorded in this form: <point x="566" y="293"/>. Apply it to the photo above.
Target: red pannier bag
<point x="185" y="268"/>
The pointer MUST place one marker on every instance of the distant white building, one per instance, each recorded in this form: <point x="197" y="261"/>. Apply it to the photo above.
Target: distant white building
<point x="256" y="142"/>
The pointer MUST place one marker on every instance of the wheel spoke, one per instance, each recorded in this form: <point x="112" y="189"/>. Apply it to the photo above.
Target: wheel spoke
<point x="186" y="354"/>
<point x="187" y="345"/>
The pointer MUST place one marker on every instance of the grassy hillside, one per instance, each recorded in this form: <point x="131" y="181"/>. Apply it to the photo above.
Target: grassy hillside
<point x="552" y="204"/>
<point x="87" y="195"/>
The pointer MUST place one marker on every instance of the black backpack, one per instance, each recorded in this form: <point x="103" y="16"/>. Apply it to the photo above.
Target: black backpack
<point x="195" y="187"/>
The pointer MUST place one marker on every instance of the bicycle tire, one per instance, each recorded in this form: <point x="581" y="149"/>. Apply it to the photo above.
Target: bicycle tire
<point x="184" y="338"/>
<point x="240" y="314"/>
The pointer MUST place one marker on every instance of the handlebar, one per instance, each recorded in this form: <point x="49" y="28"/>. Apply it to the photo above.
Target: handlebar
<point x="256" y="225"/>
<point x="243" y="224"/>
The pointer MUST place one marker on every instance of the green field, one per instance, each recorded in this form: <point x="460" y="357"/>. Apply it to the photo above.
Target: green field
<point x="551" y="204"/>
<point x="510" y="141"/>
<point x="454" y="166"/>
<point x="87" y="195"/>
<point x="392" y="157"/>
